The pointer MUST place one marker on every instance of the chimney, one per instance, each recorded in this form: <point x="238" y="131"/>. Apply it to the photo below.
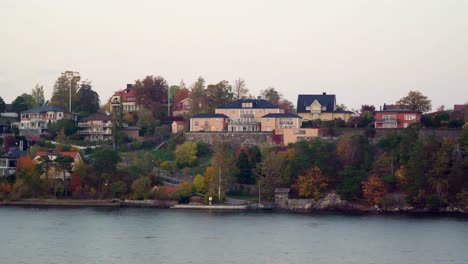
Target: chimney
<point x="324" y="93"/>
<point x="129" y="86"/>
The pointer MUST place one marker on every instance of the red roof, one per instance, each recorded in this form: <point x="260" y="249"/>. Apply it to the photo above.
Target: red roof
<point x="125" y="94"/>
<point x="459" y="107"/>
<point x="179" y="122"/>
<point x="65" y="153"/>
<point x="166" y="189"/>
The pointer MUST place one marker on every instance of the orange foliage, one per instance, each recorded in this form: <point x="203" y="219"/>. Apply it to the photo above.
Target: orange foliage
<point x="400" y="175"/>
<point x="25" y="166"/>
<point x="373" y="189"/>
<point x="5" y="187"/>
<point x="312" y="184"/>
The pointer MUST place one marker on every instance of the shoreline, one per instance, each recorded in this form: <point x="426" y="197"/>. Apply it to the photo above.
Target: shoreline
<point x="115" y="203"/>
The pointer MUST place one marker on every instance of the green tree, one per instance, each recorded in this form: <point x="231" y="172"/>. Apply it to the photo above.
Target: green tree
<point x="416" y="101"/>
<point x="245" y="171"/>
<point x="199" y="184"/>
<point x="141" y="188"/>
<point x="87" y="99"/>
<point x="61" y="137"/>
<point x="198" y="97"/>
<point x="105" y="161"/>
<point x="271" y="173"/>
<point x="271" y="95"/>
<point x="118" y="189"/>
<point x="146" y="121"/>
<point x="223" y="160"/>
<point x="66" y="85"/>
<point x="22" y="103"/>
<point x="37" y="94"/>
<point x="217" y="95"/>
<point x="349" y="186"/>
<point x="186" y="154"/>
<point x="150" y="92"/>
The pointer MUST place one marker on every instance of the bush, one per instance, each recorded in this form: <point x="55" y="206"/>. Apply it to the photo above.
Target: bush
<point x="432" y="202"/>
<point x="167" y="165"/>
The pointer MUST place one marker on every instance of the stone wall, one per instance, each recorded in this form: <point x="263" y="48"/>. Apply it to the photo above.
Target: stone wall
<point x="234" y="138"/>
<point x="379" y="133"/>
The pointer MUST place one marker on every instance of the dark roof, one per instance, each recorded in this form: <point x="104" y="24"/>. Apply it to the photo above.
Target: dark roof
<point x="281" y="115"/>
<point x="344" y="111"/>
<point x="45" y="108"/>
<point x="209" y="116"/>
<point x="395" y="107"/>
<point x="8" y="107"/>
<point x="397" y="110"/>
<point x="256" y="103"/>
<point x="14" y="154"/>
<point x="97" y="116"/>
<point x="305" y="100"/>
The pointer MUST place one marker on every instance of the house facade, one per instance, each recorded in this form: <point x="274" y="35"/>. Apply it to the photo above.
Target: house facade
<point x="182" y="108"/>
<point x="323" y="106"/>
<point x="245" y="115"/>
<point x="208" y="122"/>
<point x="124" y="99"/>
<point x="96" y="127"/>
<point x="177" y="126"/>
<point x="272" y="122"/>
<point x="35" y="121"/>
<point x="396" y="118"/>
<point x="8" y="162"/>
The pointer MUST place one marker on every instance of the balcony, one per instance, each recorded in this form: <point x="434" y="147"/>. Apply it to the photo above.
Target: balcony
<point x="236" y="122"/>
<point x="94" y="132"/>
<point x="84" y="124"/>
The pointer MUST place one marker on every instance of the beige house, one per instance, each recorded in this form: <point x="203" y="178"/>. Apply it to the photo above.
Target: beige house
<point x="293" y="135"/>
<point x="323" y="107"/>
<point x="182" y="108"/>
<point x="96" y="127"/>
<point x="208" y="122"/>
<point x="177" y="127"/>
<point x="245" y="115"/>
<point x="272" y="122"/>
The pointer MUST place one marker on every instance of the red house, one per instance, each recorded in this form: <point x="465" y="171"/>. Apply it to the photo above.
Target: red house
<point x="396" y="118"/>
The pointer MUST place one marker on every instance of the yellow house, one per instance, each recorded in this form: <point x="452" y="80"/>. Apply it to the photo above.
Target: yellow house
<point x="293" y="135"/>
<point x="245" y="115"/>
<point x="177" y="127"/>
<point x="272" y="122"/>
<point x="323" y="106"/>
<point x="208" y="122"/>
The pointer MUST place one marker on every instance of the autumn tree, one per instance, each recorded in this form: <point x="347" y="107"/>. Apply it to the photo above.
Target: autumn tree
<point x="312" y="184"/>
<point x="271" y="173"/>
<point x="223" y="160"/>
<point x="182" y="94"/>
<point x="150" y="92"/>
<point x="184" y="189"/>
<point x="67" y="84"/>
<point x="146" y="121"/>
<point x="37" y="94"/>
<point x="416" y="101"/>
<point x="79" y="172"/>
<point x="28" y="182"/>
<point x="199" y="184"/>
<point x="286" y="105"/>
<point x="240" y="90"/>
<point x="212" y="181"/>
<point x="186" y="154"/>
<point x="141" y="188"/>
<point x="373" y="190"/>
<point x="351" y="150"/>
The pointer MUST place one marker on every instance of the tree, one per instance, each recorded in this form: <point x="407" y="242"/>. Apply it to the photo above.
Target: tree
<point x="61" y="137"/>
<point x="199" y="184"/>
<point x="271" y="95"/>
<point x="312" y="184"/>
<point x="186" y="154"/>
<point x="105" y="161"/>
<point x="271" y="173"/>
<point x="198" y="96"/>
<point x="245" y="171"/>
<point x="183" y="190"/>
<point x="2" y="105"/>
<point x="150" y="92"/>
<point x="341" y="107"/>
<point x="141" y="188"/>
<point x="415" y="101"/>
<point x="223" y="160"/>
<point x="79" y="173"/>
<point x="181" y="94"/>
<point x="350" y="150"/>
<point x="217" y="95"/>
<point x="28" y="182"/>
<point x="146" y="121"/>
<point x="37" y="94"/>
<point x="349" y="187"/>
<point x="240" y="90"/>
<point x="286" y="105"/>
<point x="22" y="103"/>
<point x="87" y="99"/>
<point x="373" y="189"/>
<point x="65" y="85"/>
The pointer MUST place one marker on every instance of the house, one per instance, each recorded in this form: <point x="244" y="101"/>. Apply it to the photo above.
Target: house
<point x="56" y="172"/>
<point x="320" y="106"/>
<point x="459" y="107"/>
<point x="208" y="122"/>
<point x="8" y="162"/>
<point x="182" y="108"/>
<point x="177" y="127"/>
<point x="5" y="129"/>
<point x="271" y="122"/>
<point x="245" y="115"/>
<point x="126" y="98"/>
<point x="35" y="121"/>
<point x="96" y="127"/>
<point x="392" y="117"/>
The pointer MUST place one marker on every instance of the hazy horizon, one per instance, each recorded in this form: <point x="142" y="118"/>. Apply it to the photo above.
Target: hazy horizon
<point x="365" y="52"/>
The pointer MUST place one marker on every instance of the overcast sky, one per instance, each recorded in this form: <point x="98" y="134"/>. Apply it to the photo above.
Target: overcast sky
<point x="365" y="52"/>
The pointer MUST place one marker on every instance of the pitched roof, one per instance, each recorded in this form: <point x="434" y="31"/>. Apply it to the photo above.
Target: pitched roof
<point x="45" y="108"/>
<point x="281" y="115"/>
<point x="125" y="93"/>
<point x="256" y="103"/>
<point x="97" y="116"/>
<point x="179" y="122"/>
<point x="210" y="116"/>
<point x="305" y="100"/>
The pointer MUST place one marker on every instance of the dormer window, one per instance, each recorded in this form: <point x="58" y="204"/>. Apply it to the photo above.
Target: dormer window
<point x="308" y="108"/>
<point x="246" y="105"/>
<point x="324" y="108"/>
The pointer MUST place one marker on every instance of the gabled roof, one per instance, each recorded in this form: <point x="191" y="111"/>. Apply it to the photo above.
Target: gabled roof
<point x="256" y="103"/>
<point x="305" y="100"/>
<point x="281" y="115"/>
<point x="45" y="108"/>
<point x="125" y="93"/>
<point x="179" y="122"/>
<point x="97" y="116"/>
<point x="210" y="116"/>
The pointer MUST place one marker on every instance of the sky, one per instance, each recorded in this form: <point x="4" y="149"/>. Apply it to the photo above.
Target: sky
<point x="365" y="52"/>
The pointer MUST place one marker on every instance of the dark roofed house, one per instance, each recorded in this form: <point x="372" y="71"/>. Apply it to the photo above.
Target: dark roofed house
<point x="96" y="127"/>
<point x="36" y="120"/>
<point x="208" y="122"/>
<point x="320" y="106"/>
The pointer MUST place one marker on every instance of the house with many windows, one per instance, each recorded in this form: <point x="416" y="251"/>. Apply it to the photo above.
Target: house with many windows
<point x="124" y="99"/>
<point x="208" y="122"/>
<point x="8" y="162"/>
<point x="271" y="122"/>
<point x="392" y="117"/>
<point x="35" y="121"/>
<point x="182" y="108"/>
<point x="320" y="106"/>
<point x="245" y="115"/>
<point x="96" y="127"/>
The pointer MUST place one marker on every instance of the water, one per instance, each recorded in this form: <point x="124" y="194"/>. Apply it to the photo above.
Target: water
<point x="143" y="236"/>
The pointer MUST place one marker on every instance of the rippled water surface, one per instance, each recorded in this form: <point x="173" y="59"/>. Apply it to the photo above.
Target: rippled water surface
<point x="143" y="236"/>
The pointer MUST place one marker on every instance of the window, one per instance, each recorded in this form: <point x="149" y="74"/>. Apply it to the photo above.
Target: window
<point x="307" y="108"/>
<point x="389" y="117"/>
<point x="246" y="105"/>
<point x="324" y="108"/>
<point x="316" y="116"/>
<point x="3" y="163"/>
<point x="410" y="117"/>
<point x="268" y="128"/>
<point x="389" y="125"/>
<point x="196" y="123"/>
